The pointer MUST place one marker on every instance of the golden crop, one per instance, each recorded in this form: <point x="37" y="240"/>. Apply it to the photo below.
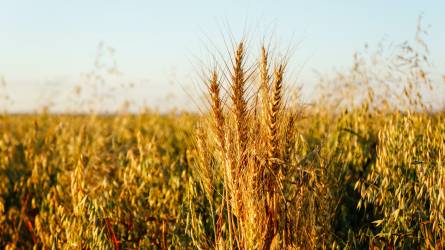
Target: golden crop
<point x="255" y="172"/>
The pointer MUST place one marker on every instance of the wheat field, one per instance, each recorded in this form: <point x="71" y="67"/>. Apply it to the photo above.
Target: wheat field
<point x="363" y="167"/>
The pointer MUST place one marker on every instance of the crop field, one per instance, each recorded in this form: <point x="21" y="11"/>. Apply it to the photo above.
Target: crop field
<point x="363" y="167"/>
<point x="129" y="182"/>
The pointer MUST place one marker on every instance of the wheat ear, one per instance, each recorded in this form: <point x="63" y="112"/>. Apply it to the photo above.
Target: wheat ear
<point x="240" y="104"/>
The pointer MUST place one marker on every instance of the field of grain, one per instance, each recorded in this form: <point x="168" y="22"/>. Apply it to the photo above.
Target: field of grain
<point x="361" y="168"/>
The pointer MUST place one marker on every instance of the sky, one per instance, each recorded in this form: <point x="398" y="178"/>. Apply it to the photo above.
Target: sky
<point x="149" y="52"/>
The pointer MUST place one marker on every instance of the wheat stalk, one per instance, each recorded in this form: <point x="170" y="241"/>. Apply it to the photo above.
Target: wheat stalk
<point x="274" y="108"/>
<point x="218" y="124"/>
<point x="240" y="104"/>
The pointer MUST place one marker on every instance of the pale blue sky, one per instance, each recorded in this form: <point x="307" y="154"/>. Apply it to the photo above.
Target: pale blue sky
<point x="45" y="46"/>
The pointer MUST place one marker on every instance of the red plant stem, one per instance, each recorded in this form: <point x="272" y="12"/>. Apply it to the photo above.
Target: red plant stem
<point x="113" y="235"/>
<point x="28" y="224"/>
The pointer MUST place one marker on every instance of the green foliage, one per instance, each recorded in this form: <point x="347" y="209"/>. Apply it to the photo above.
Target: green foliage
<point x="406" y="185"/>
<point x="69" y="182"/>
